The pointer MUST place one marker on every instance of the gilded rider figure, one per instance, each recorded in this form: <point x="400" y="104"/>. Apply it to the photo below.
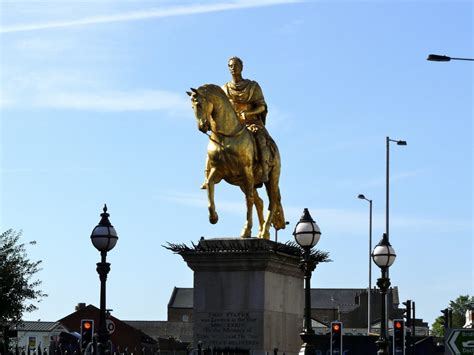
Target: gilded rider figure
<point x="246" y="97"/>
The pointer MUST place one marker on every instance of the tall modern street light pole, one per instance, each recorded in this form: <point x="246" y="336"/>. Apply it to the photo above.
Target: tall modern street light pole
<point x="307" y="234"/>
<point x="444" y="58"/>
<point x="387" y="195"/>
<point x="362" y="197"/>
<point x="103" y="237"/>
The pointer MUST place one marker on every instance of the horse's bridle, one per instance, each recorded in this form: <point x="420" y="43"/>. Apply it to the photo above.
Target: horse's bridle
<point x="238" y="133"/>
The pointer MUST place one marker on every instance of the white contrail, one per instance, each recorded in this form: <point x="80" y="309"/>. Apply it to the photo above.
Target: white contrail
<point x="145" y="14"/>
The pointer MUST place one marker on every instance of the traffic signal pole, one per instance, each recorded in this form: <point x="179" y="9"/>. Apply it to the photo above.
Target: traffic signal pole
<point x="336" y="338"/>
<point x="410" y="326"/>
<point x="398" y="337"/>
<point x="413" y="330"/>
<point x="87" y="332"/>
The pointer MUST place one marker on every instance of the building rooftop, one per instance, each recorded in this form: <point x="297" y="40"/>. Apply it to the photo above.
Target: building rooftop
<point x="181" y="298"/>
<point x="38" y="326"/>
<point x="346" y="299"/>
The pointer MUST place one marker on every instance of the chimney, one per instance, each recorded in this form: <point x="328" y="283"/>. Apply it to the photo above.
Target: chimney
<point x="80" y="306"/>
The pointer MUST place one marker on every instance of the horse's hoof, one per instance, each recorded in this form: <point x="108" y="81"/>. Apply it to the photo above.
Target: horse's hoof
<point x="213" y="218"/>
<point x="263" y="235"/>
<point x="246" y="233"/>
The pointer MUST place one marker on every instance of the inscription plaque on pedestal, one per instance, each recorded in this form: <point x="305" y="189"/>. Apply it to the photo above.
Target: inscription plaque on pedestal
<point x="228" y="329"/>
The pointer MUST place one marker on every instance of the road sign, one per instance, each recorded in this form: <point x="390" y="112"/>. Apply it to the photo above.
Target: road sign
<point x="110" y="326"/>
<point x="461" y="342"/>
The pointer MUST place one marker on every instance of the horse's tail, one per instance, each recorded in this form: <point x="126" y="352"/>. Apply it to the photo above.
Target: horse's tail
<point x="278" y="219"/>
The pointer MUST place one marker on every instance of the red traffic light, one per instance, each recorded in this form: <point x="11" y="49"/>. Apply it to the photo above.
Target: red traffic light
<point x="336" y="327"/>
<point x="87" y="325"/>
<point x="398" y="325"/>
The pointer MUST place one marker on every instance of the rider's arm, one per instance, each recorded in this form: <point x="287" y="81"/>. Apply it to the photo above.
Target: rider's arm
<point x="255" y="111"/>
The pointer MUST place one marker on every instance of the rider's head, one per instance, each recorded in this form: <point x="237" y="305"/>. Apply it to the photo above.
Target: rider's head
<point x="235" y="65"/>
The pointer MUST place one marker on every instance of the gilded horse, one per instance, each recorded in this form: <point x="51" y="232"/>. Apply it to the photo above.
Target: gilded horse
<point x="232" y="156"/>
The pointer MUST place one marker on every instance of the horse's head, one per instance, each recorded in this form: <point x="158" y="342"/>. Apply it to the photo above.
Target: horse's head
<point x="202" y="109"/>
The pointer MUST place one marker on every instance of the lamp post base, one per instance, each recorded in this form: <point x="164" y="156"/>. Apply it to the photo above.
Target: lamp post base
<point x="308" y="347"/>
<point x="103" y="348"/>
<point x="383" y="346"/>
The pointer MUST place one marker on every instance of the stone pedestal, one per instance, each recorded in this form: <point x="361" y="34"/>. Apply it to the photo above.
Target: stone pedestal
<point x="248" y="294"/>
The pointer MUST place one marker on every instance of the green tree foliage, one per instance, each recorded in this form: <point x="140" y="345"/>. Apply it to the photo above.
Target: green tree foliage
<point x="19" y="291"/>
<point x="459" y="307"/>
<point x="437" y="328"/>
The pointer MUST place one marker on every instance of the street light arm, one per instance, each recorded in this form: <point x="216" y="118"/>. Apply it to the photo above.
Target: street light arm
<point x="362" y="197"/>
<point x="399" y="142"/>
<point x="469" y="59"/>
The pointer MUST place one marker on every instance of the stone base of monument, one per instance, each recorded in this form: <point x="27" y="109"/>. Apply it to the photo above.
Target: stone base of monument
<point x="248" y="295"/>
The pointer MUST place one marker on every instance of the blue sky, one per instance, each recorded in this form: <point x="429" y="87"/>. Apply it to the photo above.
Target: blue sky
<point x="94" y="110"/>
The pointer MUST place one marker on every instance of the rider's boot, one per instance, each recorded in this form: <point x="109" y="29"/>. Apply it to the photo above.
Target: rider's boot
<point x="265" y="164"/>
<point x="264" y="155"/>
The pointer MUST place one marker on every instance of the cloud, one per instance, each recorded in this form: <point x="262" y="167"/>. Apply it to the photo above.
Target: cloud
<point x="113" y="101"/>
<point x="102" y="101"/>
<point x="74" y="91"/>
<point x="145" y="14"/>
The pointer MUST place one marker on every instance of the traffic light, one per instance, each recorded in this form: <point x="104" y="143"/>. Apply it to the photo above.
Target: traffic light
<point x="445" y="317"/>
<point x="398" y="337"/>
<point x="336" y="338"/>
<point x="407" y="313"/>
<point x="87" y="332"/>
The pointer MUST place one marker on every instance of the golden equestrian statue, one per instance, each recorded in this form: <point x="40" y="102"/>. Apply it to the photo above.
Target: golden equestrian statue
<point x="240" y="150"/>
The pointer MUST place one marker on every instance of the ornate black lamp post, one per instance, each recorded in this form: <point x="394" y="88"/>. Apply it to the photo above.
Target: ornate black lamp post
<point x="307" y="234"/>
<point x="383" y="256"/>
<point x="103" y="237"/>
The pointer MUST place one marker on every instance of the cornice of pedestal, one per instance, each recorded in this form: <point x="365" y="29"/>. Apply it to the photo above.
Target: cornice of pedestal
<point x="236" y="254"/>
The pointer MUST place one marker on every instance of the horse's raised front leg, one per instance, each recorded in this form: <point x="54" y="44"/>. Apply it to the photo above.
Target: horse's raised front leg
<point x="248" y="189"/>
<point x="213" y="217"/>
<point x="206" y="173"/>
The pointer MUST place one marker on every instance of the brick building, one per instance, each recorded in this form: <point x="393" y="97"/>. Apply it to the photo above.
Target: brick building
<point x="122" y="335"/>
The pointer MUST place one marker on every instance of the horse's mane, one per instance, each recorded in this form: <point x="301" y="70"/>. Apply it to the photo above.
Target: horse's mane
<point x="212" y="89"/>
